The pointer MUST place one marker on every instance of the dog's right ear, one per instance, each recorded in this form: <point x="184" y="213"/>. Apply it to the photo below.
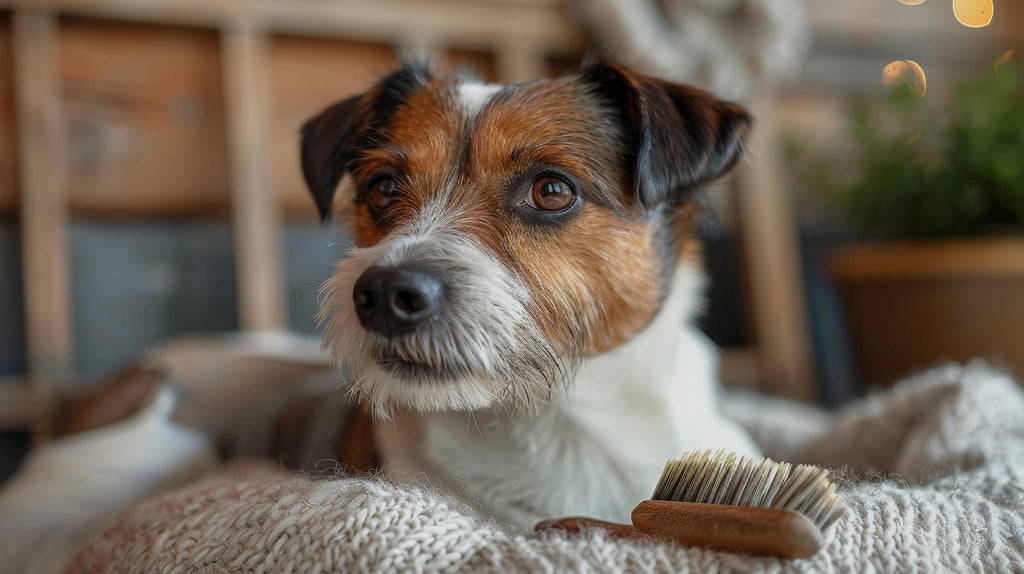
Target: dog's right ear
<point x="331" y="140"/>
<point x="681" y="137"/>
<point x="327" y="144"/>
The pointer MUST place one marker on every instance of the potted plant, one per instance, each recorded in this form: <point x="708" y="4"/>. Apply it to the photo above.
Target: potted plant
<point x="939" y="191"/>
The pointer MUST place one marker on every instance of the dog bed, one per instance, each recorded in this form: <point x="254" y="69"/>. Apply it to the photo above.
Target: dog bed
<point x="933" y="472"/>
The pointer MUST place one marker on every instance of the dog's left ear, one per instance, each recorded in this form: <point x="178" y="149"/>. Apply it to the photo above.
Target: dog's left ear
<point x="331" y="140"/>
<point x="326" y="145"/>
<point x="682" y="137"/>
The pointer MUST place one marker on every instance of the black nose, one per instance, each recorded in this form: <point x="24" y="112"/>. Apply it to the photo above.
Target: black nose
<point x="394" y="300"/>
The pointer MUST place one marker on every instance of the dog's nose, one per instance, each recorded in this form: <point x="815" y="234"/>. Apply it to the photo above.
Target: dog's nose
<point x="394" y="300"/>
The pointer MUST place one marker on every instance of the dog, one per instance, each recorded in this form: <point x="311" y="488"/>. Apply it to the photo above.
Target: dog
<point x="516" y="313"/>
<point x="517" y="310"/>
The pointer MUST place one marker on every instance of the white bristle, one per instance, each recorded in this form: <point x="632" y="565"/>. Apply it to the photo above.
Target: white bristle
<point x="717" y="477"/>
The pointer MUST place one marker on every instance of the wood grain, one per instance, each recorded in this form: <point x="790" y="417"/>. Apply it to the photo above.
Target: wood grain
<point x="543" y="25"/>
<point x="145" y="119"/>
<point x="761" y="531"/>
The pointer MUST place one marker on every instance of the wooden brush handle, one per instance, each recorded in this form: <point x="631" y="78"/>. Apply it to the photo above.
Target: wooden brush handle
<point x="577" y="523"/>
<point x="764" y="531"/>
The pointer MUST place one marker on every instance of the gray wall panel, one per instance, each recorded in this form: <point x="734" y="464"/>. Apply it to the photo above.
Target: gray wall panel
<point x="136" y="283"/>
<point x="12" y="310"/>
<point x="310" y="252"/>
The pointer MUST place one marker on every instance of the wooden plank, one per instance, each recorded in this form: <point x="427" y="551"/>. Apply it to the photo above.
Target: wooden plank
<point x="977" y="258"/>
<point x="8" y="161"/>
<point x="145" y="119"/>
<point x="476" y="25"/>
<point x="307" y="75"/>
<point x="518" y="60"/>
<point x="43" y="210"/>
<point x="772" y="262"/>
<point x="256" y="212"/>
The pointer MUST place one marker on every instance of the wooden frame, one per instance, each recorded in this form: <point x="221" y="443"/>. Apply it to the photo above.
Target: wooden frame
<point x="256" y="212"/>
<point x="521" y="34"/>
<point x="43" y="207"/>
<point x="772" y="261"/>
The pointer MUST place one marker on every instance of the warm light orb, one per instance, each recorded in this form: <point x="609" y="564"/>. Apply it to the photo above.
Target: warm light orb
<point x="906" y="72"/>
<point x="912" y="2"/>
<point x="973" y="13"/>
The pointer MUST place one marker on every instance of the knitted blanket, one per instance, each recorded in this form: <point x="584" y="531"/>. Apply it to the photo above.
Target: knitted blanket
<point x="933" y="472"/>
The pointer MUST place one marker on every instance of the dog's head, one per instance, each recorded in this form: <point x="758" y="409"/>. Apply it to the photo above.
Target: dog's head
<point x="503" y="233"/>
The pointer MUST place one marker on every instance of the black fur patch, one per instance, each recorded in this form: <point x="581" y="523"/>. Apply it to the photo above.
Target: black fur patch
<point x="682" y="137"/>
<point x="332" y="139"/>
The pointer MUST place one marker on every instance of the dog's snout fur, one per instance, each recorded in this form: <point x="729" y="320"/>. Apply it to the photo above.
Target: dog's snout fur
<point x="477" y="346"/>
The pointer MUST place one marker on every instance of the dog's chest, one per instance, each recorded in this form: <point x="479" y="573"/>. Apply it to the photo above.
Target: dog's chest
<point x="579" y="460"/>
<point x="597" y="448"/>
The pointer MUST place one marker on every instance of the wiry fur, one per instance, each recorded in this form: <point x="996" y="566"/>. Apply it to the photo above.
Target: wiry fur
<point x="596" y="449"/>
<point x="485" y="350"/>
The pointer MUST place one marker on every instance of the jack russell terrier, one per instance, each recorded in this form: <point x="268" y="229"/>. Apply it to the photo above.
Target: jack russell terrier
<point x="517" y="311"/>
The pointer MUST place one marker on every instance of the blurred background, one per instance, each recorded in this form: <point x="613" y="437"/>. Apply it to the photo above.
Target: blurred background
<point x="150" y="188"/>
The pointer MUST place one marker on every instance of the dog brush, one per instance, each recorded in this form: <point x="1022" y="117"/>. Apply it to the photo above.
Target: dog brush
<point x="735" y="503"/>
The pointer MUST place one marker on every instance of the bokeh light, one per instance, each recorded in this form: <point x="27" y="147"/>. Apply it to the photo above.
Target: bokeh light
<point x="1006" y="58"/>
<point x="973" y="13"/>
<point x="906" y="72"/>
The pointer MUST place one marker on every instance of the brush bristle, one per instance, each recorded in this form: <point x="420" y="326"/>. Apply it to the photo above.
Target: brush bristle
<point x="718" y="477"/>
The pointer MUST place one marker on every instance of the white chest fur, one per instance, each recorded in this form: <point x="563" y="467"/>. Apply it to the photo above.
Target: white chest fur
<point x="599" y="447"/>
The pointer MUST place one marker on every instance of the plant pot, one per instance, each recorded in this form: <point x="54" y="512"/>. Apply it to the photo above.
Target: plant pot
<point x="912" y="305"/>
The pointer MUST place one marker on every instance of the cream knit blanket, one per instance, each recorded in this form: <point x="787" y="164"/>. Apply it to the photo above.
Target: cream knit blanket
<point x="933" y="472"/>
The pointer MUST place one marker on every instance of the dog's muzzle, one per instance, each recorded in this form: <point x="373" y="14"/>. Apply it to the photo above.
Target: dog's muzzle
<point x="434" y="321"/>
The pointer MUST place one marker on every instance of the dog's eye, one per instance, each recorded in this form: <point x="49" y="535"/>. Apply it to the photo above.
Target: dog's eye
<point x="382" y="193"/>
<point x="552" y="194"/>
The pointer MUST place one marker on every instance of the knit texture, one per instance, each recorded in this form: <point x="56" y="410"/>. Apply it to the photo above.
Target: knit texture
<point x="933" y="472"/>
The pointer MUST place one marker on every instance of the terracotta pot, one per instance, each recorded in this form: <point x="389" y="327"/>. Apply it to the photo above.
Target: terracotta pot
<point x="912" y="305"/>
